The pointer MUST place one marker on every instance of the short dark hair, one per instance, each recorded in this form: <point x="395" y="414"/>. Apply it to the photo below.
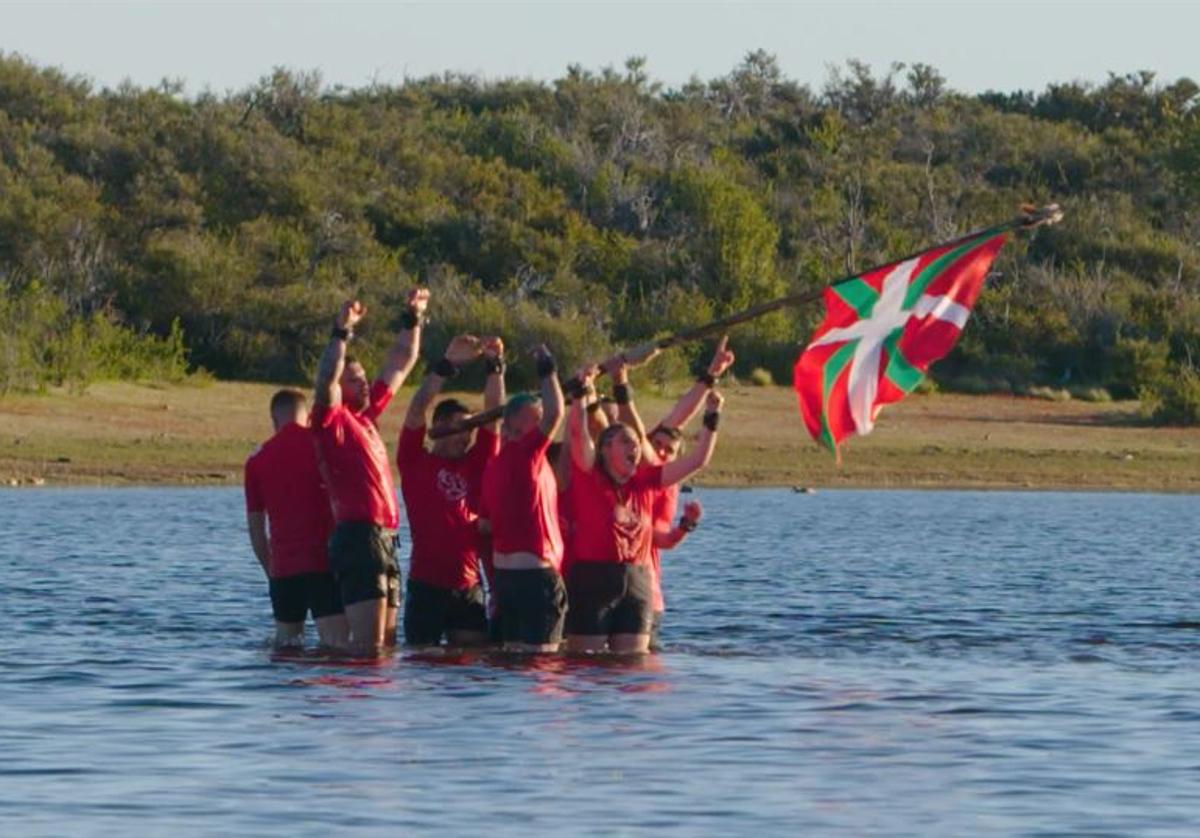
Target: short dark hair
<point x="517" y="403"/>
<point x="448" y="408"/>
<point x="288" y="401"/>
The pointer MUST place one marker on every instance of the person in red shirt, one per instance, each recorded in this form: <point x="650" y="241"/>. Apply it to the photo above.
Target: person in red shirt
<point x="663" y="444"/>
<point x="358" y="473"/>
<point x="610" y="583"/>
<point x="289" y="521"/>
<point x="520" y="503"/>
<point x="441" y="486"/>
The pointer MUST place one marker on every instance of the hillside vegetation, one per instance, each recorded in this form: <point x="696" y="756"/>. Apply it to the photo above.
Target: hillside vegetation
<point x="146" y="232"/>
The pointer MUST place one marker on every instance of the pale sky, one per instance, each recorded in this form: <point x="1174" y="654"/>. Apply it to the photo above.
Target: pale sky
<point x="976" y="44"/>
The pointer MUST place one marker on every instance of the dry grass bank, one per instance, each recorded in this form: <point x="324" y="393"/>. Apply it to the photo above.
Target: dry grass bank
<point x="134" y="434"/>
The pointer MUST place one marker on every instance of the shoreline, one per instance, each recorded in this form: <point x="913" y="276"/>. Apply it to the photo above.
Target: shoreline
<point x="124" y="434"/>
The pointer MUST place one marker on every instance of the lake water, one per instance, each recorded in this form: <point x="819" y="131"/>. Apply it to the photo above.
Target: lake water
<point x="850" y="662"/>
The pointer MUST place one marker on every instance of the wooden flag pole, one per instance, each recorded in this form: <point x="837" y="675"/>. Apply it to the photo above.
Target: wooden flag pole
<point x="1029" y="218"/>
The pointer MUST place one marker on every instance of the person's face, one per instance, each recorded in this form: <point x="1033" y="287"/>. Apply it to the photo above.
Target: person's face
<point x="665" y="446"/>
<point x="524" y="421"/>
<point x="356" y="390"/>
<point x="611" y="411"/>
<point x="622" y="453"/>
<point x="452" y="446"/>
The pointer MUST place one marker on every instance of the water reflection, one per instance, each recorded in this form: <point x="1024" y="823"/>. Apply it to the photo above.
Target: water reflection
<point x="845" y="663"/>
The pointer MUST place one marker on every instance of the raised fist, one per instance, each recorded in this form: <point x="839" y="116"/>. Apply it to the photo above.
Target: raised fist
<point x="351" y="312"/>
<point x="722" y="359"/>
<point x="493" y="347"/>
<point x="618" y="368"/>
<point x="587" y="376"/>
<point x="418" y="301"/>
<point x="714" y="402"/>
<point x="693" y="512"/>
<point x="464" y="349"/>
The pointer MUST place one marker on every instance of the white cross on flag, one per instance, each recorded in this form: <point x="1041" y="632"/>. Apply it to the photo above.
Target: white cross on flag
<point x="883" y="329"/>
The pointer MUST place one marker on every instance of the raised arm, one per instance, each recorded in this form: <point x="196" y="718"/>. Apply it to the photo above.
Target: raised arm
<point x="493" y="388"/>
<point x="700" y="454"/>
<point x="462" y="350"/>
<point x="689" y="403"/>
<point x="669" y="537"/>
<point x="552" y="396"/>
<point x="333" y="359"/>
<point x="627" y="412"/>
<point x="407" y="347"/>
<point x="583" y="448"/>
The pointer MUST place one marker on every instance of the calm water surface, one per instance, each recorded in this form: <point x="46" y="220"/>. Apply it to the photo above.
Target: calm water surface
<point x="845" y="663"/>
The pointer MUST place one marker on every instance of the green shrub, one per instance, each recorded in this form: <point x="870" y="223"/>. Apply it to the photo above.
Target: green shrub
<point x="978" y="385"/>
<point x="1049" y="394"/>
<point x="760" y="377"/>
<point x="1175" y="400"/>
<point x="1090" y="394"/>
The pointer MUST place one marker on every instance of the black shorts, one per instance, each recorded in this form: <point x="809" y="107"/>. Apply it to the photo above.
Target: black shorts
<point x="610" y="598"/>
<point x="532" y="605"/>
<point x="430" y="612"/>
<point x="292" y="597"/>
<point x="363" y="558"/>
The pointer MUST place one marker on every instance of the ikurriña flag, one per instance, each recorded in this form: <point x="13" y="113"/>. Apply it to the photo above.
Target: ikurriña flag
<point x="882" y="330"/>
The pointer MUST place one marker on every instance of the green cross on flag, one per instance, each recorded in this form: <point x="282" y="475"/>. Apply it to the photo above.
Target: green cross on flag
<point x="883" y="329"/>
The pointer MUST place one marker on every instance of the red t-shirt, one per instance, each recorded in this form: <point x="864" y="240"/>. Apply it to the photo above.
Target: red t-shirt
<point x="520" y="498"/>
<point x="564" y="525"/>
<point x="442" y="499"/>
<point x="282" y="479"/>
<point x="663" y="514"/>
<point x="355" y="463"/>
<point x="611" y="523"/>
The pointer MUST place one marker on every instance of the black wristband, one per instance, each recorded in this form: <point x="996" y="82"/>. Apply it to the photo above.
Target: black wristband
<point x="707" y="379"/>
<point x="445" y="368"/>
<point x="687" y="524"/>
<point x="622" y="394"/>
<point x="545" y="366"/>
<point x="494" y="366"/>
<point x="712" y="419"/>
<point x="338" y="333"/>
<point x="409" y="319"/>
<point x="573" y="388"/>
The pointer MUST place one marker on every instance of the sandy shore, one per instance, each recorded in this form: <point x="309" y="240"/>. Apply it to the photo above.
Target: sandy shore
<point x="120" y="434"/>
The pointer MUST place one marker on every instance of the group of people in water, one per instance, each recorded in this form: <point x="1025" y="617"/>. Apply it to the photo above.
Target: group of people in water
<point x="566" y="534"/>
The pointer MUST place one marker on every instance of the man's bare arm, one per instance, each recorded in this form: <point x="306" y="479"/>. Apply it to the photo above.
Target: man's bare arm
<point x="493" y="388"/>
<point x="583" y="448"/>
<point x="333" y="359"/>
<point x="402" y="357"/>
<point x="552" y="396"/>
<point x="700" y="455"/>
<point x="689" y="403"/>
<point x="627" y="413"/>
<point x="256" y="525"/>
<point x="462" y="350"/>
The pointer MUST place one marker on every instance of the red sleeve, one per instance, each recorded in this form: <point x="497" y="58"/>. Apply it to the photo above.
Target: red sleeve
<point x="380" y="398"/>
<point x="322" y="416"/>
<point x="254" y="499"/>
<point x="648" y="477"/>
<point x="665" y="503"/>
<point x="535" y="442"/>
<point x="487" y="445"/>
<point x="411" y="446"/>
